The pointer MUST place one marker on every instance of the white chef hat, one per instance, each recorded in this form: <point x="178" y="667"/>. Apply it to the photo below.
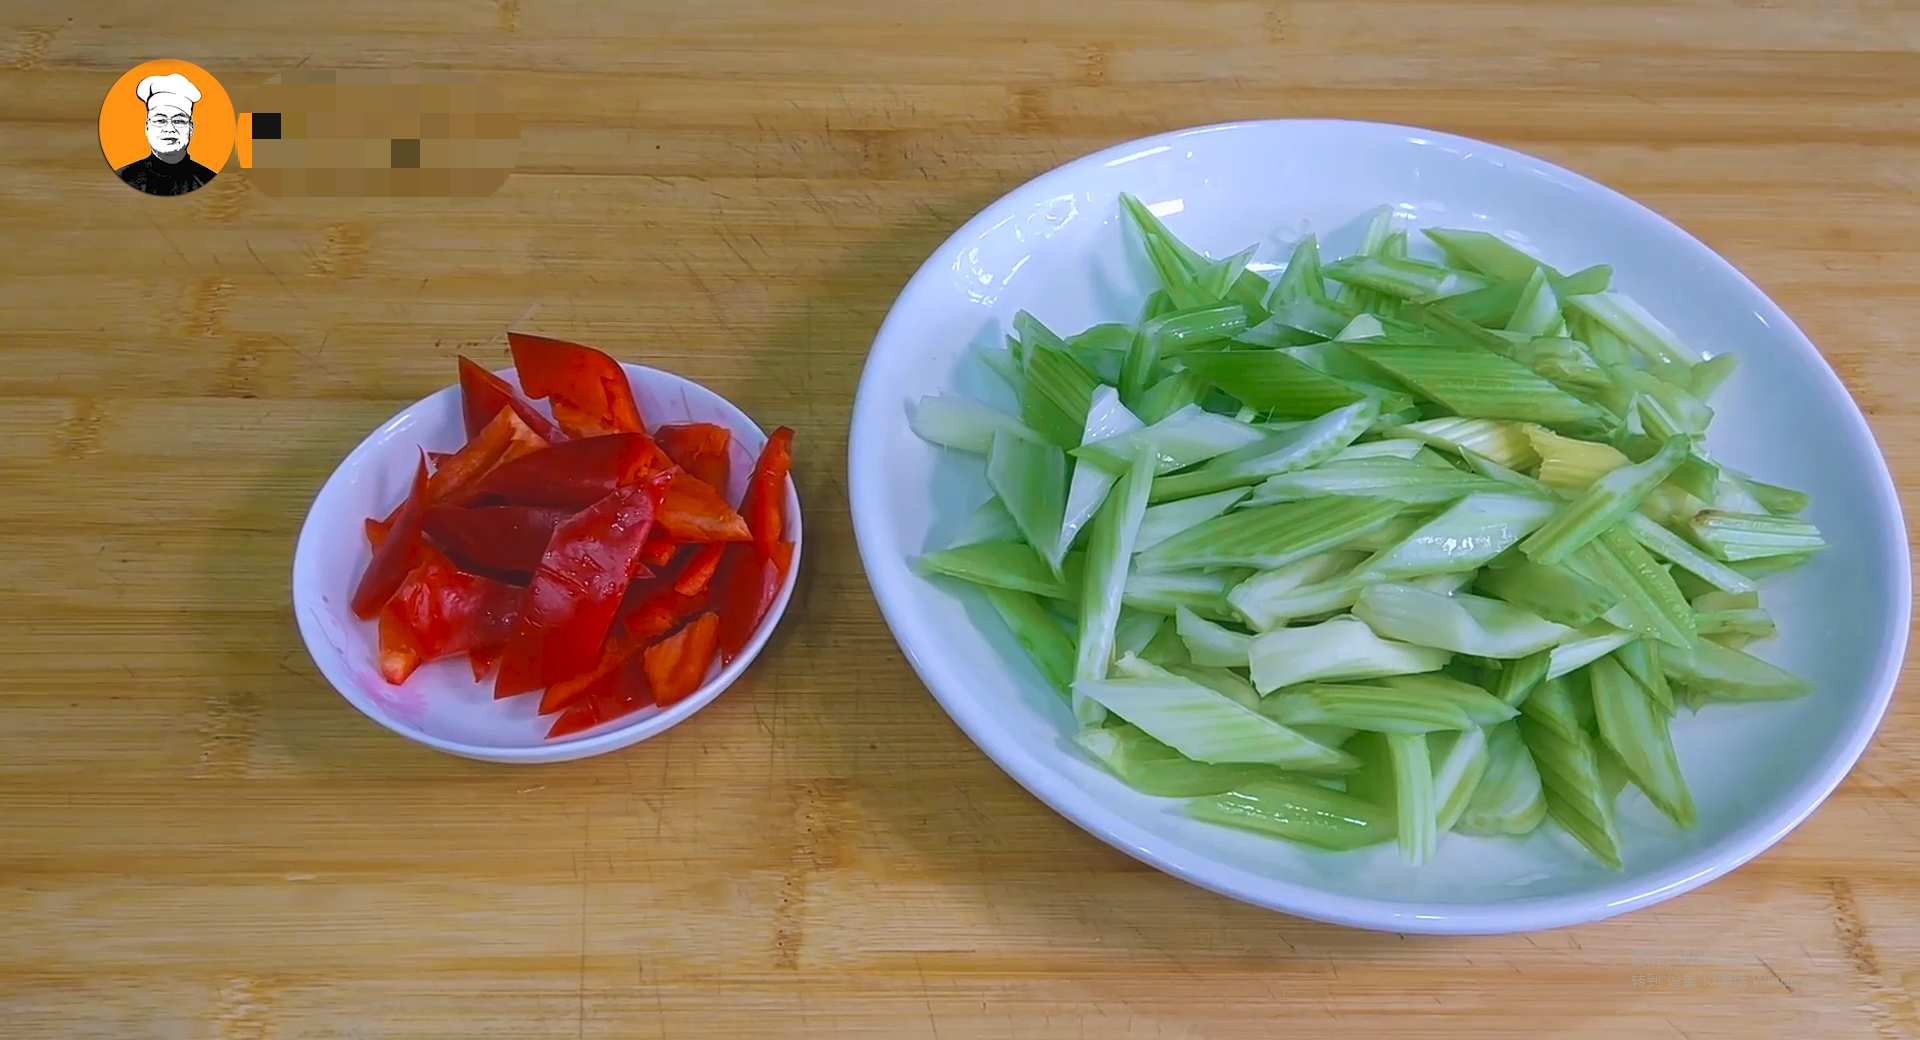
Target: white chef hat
<point x="172" y="91"/>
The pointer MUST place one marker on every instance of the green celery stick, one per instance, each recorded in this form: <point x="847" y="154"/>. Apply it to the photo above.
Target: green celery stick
<point x="1295" y="322"/>
<point x="1406" y="481"/>
<point x="989" y="522"/>
<point x="1173" y="259"/>
<point x="1678" y="551"/>
<point x="1273" y="381"/>
<point x="1749" y="623"/>
<point x="1342" y="648"/>
<point x="1030" y="477"/>
<point x="1402" y="450"/>
<point x="963" y="424"/>
<point x="1575" y="794"/>
<point x="1650" y="602"/>
<point x="1166" y="649"/>
<point x="1007" y="565"/>
<point x="1560" y="704"/>
<point x="1135" y="630"/>
<point x="1475" y="382"/>
<point x="1779" y="501"/>
<point x="1730" y="675"/>
<point x="1185" y="438"/>
<point x="1500" y="440"/>
<point x="1521" y="677"/>
<point x="1210" y="644"/>
<point x="1479" y="251"/>
<point x="1403" y="279"/>
<point x="1087" y="488"/>
<point x="1104" y="585"/>
<point x="1270" y="536"/>
<point x="1555" y="593"/>
<point x="1373" y="708"/>
<point x="1769" y="565"/>
<point x="1227" y="682"/>
<point x="1365" y="326"/>
<point x="1636" y="729"/>
<point x="1481" y="707"/>
<point x="1300" y="447"/>
<point x="1208" y="726"/>
<point x="1641" y="659"/>
<point x="1538" y="311"/>
<point x="1462" y="623"/>
<point x="1624" y="317"/>
<point x="1709" y="374"/>
<point x="1460" y="761"/>
<point x="1186" y="329"/>
<point x="1736" y="537"/>
<point x="1153" y="768"/>
<point x="1489" y="308"/>
<point x="1164" y="593"/>
<point x="1603" y="505"/>
<point x="1415" y="810"/>
<point x="1570" y="464"/>
<point x="1167" y="519"/>
<point x="1508" y="799"/>
<point x="1466" y="537"/>
<point x="1036" y="629"/>
<point x="1271" y="598"/>
<point x="1299" y="812"/>
<point x="1583" y="282"/>
<point x="1301" y="280"/>
<point x="1057" y="390"/>
<point x="1169" y="395"/>
<point x="1585" y="646"/>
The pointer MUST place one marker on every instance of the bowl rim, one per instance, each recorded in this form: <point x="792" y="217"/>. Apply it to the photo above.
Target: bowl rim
<point x="623" y="733"/>
<point x="1114" y="827"/>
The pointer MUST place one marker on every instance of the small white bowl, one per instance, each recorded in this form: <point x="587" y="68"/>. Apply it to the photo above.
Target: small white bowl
<point x="1055" y="247"/>
<point x="440" y="705"/>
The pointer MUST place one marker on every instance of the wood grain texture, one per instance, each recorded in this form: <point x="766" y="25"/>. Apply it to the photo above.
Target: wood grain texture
<point x="199" y="839"/>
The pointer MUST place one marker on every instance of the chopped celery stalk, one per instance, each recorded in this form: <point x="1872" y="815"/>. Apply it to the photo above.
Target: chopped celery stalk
<point x="1521" y="677"/>
<point x="1446" y="327"/>
<point x="1153" y="768"/>
<point x="1007" y="565"/>
<point x="1560" y="705"/>
<point x="1554" y="593"/>
<point x="1475" y="382"/>
<point x="1403" y="279"/>
<point x="1188" y="436"/>
<point x="1414" y="798"/>
<point x="1104" y="585"/>
<point x="1183" y="330"/>
<point x="1464" y="538"/>
<point x="1285" y="451"/>
<point x="1486" y="253"/>
<point x="989" y="522"/>
<point x="1463" y="623"/>
<point x="1331" y="736"/>
<point x="1208" y="726"/>
<point x="1139" y="368"/>
<point x="1732" y="496"/>
<point x="1397" y="530"/>
<point x="1101" y="340"/>
<point x="1300" y="812"/>
<point x="1401" y="450"/>
<point x="1036" y="629"/>
<point x="1494" y="471"/>
<point x="1459" y="762"/>
<point x="1169" y="395"/>
<point x="1709" y="374"/>
<point x="1508" y="799"/>
<point x="1566" y="363"/>
<point x="1443" y="583"/>
<point x="1229" y="684"/>
<point x="1210" y="644"/>
<point x="1003" y="363"/>
<point x="1034" y="333"/>
<point x="1167" y="519"/>
<point x="1294" y="322"/>
<point x="1641" y="659"/>
<point x="1273" y="381"/>
<point x="1679" y="408"/>
<point x="1735" y="537"/>
<point x="1088" y="487"/>
<point x="1538" y="312"/>
<point x="1175" y="261"/>
<point x="1481" y="707"/>
<point x="1031" y="478"/>
<point x="1135" y="630"/>
<point x="1490" y="308"/>
<point x="1585" y="281"/>
<point x="1365" y="326"/>
<point x="1584" y="647"/>
<point x="1621" y="315"/>
<point x="1760" y="568"/>
<point x="1213" y="279"/>
<point x="1253" y="596"/>
<point x="1636" y="729"/>
<point x="1270" y="536"/>
<point x="1717" y="600"/>
<point x="1503" y="441"/>
<point x="1377" y="709"/>
<point x="1749" y="623"/>
<point x="1681" y="553"/>
<point x="1650" y="602"/>
<point x="1575" y="793"/>
<point x="1405" y="481"/>
<point x="1730" y="675"/>
<point x="1203" y="592"/>
<point x="1157" y="303"/>
<point x="1603" y="505"/>
<point x="1570" y="464"/>
<point x="1054" y="398"/>
<point x="1301" y="280"/>
<point x="1342" y="648"/>
<point x="1779" y="501"/>
<point x="962" y="423"/>
<point x="1166" y="649"/>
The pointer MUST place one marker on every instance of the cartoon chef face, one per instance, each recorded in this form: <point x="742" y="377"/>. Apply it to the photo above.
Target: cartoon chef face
<point x="169" y="114"/>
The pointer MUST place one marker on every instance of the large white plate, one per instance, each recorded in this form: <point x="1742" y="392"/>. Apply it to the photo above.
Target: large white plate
<point x="1055" y="246"/>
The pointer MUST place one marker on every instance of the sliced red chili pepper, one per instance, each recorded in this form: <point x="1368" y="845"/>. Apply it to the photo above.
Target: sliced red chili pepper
<point x="745" y="589"/>
<point x="377" y="530"/>
<point x="575" y="474"/>
<point x="692" y="511"/>
<point x="398" y="656"/>
<point x="447" y="611"/>
<point x="678" y="665"/>
<point x="582" y="578"/>
<point x="483" y="658"/>
<point x="435" y="458"/>
<point x="660" y="549"/>
<point x="699" y="448"/>
<point x="698" y="573"/>
<point x="506" y="540"/>
<point x="502" y="440"/>
<point x="483" y="394"/>
<point x="614" y="653"/>
<point x="765" y="504"/>
<point x="663" y="612"/>
<point x="611" y="697"/>
<point x="587" y="389"/>
<point x="398" y="553"/>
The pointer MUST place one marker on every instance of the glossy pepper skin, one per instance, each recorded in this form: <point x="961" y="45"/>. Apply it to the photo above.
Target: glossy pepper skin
<point x="692" y="511"/>
<point x="441" y="611"/>
<point x="483" y="394"/>
<point x="587" y="390"/>
<point x="751" y="576"/>
<point x="503" y="539"/>
<point x="398" y="551"/>
<point x="699" y="448"/>
<point x="574" y="474"/>
<point x="677" y="665"/>
<point x="502" y="440"/>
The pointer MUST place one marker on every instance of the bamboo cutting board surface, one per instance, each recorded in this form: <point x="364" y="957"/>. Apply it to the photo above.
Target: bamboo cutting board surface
<point x="198" y="838"/>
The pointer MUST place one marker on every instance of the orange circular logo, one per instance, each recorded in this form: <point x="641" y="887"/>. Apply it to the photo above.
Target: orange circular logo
<point x="166" y="127"/>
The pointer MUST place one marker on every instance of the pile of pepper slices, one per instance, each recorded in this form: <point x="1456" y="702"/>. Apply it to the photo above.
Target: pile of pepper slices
<point x="579" y="556"/>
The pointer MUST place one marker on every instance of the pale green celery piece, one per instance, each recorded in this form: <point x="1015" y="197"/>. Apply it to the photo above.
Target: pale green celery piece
<point x="1135" y="630"/>
<point x="1576" y="795"/>
<point x="1166" y="649"/>
<point x="1463" y="623"/>
<point x="1486" y="253"/>
<point x="1301" y="280"/>
<point x="1182" y="330"/>
<point x="1111" y="337"/>
<point x="1709" y="374"/>
<point x="1730" y="675"/>
<point x="1395" y="247"/>
<point x="1569" y="463"/>
<point x="1477" y="383"/>
<point x="1538" y="312"/>
<point x="1489" y="308"/>
<point x="1466" y="537"/>
<point x="1735" y="537"/>
<point x="1251" y="291"/>
<point x="1588" y="644"/>
<point x="1415" y="808"/>
<point x="1007" y="565"/>
<point x="1171" y="394"/>
<point x="1641" y="659"/>
<point x="1331" y="736"/>
<point x="1555" y="593"/>
<point x="1209" y="644"/>
<point x="1294" y="322"/>
<point x="1285" y="451"/>
<point x="1342" y="648"/>
<point x="989" y="522"/>
<point x="1605" y="348"/>
<point x="1153" y="768"/>
<point x="1521" y="677"/>
<point x="1107" y="418"/>
<point x="1031" y="479"/>
<point x="1443" y="583"/>
<point x="1375" y="709"/>
<point x="1005" y="363"/>
<point x="1332" y="358"/>
<point x="1175" y="261"/>
<point x="1229" y="684"/>
<point x="1104" y="585"/>
<point x="1494" y="471"/>
<point x="1752" y="623"/>
<point x="1621" y="315"/>
<point x="1650" y="602"/>
<point x="1409" y="482"/>
<point x="1583" y="282"/>
<point x="1716" y="600"/>
<point x="1034" y="333"/>
<point x="1636" y="729"/>
<point x="1379" y="229"/>
<point x="1266" y="599"/>
<point x="1681" y="553"/>
<point x="1164" y="593"/>
<point x="1481" y="707"/>
<point x="1567" y="364"/>
<point x="1508" y="799"/>
<point x="1298" y="812"/>
<point x="1760" y="568"/>
<point x="1208" y="726"/>
<point x="1189" y="436"/>
<point x="1038" y="631"/>
<point x="1365" y="326"/>
<point x="1779" y="501"/>
<point x="1401" y="450"/>
<point x="1157" y="303"/>
<point x="1667" y="504"/>
<point x="1167" y="519"/>
<point x="1214" y="279"/>
<point x="1140" y="371"/>
<point x="962" y="423"/>
<point x="1603" y="505"/>
<point x="1058" y="389"/>
<point x="1500" y="440"/>
<point x="1397" y="530"/>
<point x="1560" y="704"/>
<point x="1691" y="413"/>
<point x="1460" y="761"/>
<point x="1403" y="279"/>
<point x="1318" y="600"/>
<point x="1270" y="536"/>
<point x="1273" y="381"/>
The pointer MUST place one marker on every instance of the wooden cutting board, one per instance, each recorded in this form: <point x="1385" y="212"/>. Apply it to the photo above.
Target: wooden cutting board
<point x="199" y="839"/>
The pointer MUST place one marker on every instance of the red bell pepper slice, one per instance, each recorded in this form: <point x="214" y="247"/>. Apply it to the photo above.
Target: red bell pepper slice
<point x="678" y="665"/>
<point x="692" y="511"/>
<point x="614" y="653"/>
<point x="663" y="612"/>
<point x="575" y="474"/>
<point x="483" y="658"/>
<point x="507" y="540"/>
<point x="504" y="439"/>
<point x="745" y="589"/>
<point x="612" y="696"/>
<point x="699" y="571"/>
<point x="377" y="531"/>
<point x="483" y="394"/>
<point x="587" y="389"/>
<point x="399" y="551"/>
<point x="765" y="504"/>
<point x="569" y="606"/>
<point x="660" y="549"/>
<point x="699" y="448"/>
<point x="440" y="611"/>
